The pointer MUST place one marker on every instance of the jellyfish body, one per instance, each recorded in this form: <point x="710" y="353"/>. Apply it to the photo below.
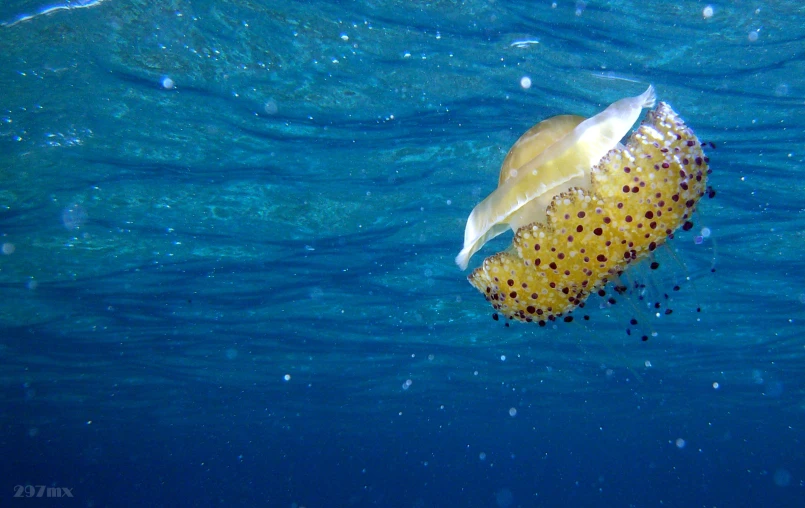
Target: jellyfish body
<point x="605" y="206"/>
<point x="551" y="160"/>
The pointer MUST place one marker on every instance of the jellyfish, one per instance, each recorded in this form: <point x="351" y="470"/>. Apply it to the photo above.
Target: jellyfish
<point x="583" y="206"/>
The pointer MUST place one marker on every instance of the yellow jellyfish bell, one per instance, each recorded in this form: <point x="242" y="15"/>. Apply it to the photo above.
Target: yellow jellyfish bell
<point x="583" y="206"/>
<point x="522" y="198"/>
<point x="530" y="145"/>
<point x="535" y="141"/>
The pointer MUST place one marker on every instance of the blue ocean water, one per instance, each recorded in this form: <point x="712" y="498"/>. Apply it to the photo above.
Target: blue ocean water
<point x="228" y="233"/>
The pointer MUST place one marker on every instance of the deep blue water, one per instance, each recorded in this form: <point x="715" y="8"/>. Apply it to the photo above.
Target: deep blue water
<point x="228" y="232"/>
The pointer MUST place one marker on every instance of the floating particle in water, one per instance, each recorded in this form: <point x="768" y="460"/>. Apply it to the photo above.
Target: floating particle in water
<point x="781" y="90"/>
<point x="231" y="353"/>
<point x="270" y="107"/>
<point x="524" y="43"/>
<point x="680" y="443"/>
<point x="74" y="216"/>
<point x="504" y="498"/>
<point x="705" y="232"/>
<point x="407" y="384"/>
<point x="167" y="83"/>
<point x="286" y="377"/>
<point x="716" y="386"/>
<point x="753" y="35"/>
<point x="513" y="411"/>
<point x="782" y="478"/>
<point x="482" y="456"/>
<point x="580" y="6"/>
<point x="707" y="12"/>
<point x="525" y="82"/>
<point x="8" y="248"/>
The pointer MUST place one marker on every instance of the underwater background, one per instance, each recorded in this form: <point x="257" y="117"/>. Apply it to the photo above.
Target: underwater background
<point x="228" y="236"/>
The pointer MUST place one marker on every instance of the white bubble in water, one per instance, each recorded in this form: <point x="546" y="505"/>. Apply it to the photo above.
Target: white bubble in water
<point x="708" y="12"/>
<point x="271" y="107"/>
<point x="680" y="443"/>
<point x="525" y="82"/>
<point x="782" y="478"/>
<point x="482" y="456"/>
<point x="753" y="35"/>
<point x="74" y="216"/>
<point x="513" y="411"/>
<point x="407" y="384"/>
<point x="8" y="248"/>
<point x="167" y="83"/>
<point x="286" y="377"/>
<point x="504" y="498"/>
<point x="716" y="386"/>
<point x="705" y="232"/>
